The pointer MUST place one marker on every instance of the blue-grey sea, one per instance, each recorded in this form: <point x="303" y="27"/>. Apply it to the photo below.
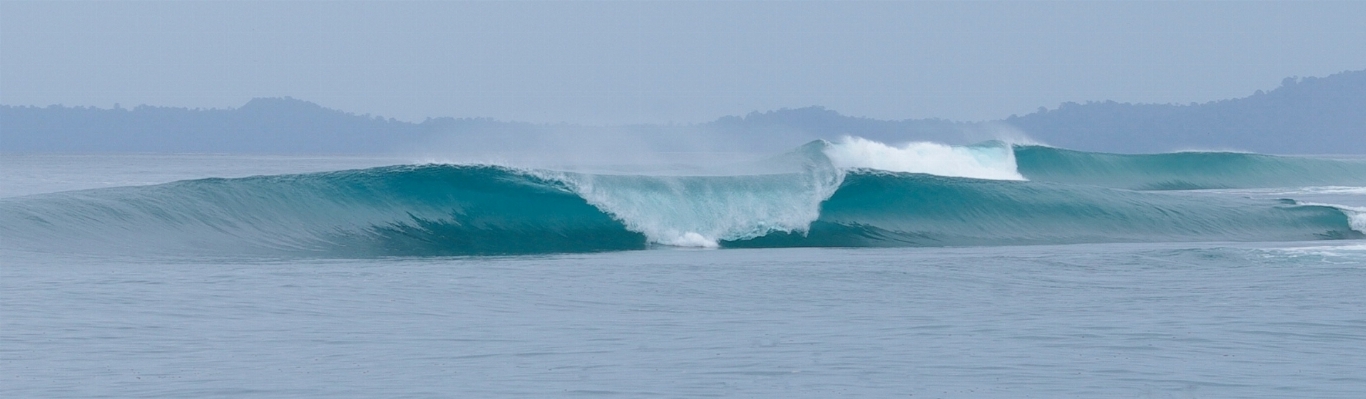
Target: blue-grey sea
<point x="1246" y="314"/>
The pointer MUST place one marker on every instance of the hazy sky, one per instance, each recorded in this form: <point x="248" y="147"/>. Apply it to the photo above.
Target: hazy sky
<point x="664" y="61"/>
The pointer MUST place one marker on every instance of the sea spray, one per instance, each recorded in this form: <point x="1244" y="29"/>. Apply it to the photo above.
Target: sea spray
<point x="696" y="211"/>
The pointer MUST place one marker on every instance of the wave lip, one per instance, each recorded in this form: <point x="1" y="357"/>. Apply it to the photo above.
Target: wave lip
<point x="994" y="161"/>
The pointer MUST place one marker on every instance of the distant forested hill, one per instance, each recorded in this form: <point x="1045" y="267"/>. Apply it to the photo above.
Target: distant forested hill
<point x="1304" y="116"/>
<point x="262" y="126"/>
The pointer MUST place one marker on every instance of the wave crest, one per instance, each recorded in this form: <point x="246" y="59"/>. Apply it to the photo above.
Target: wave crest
<point x="994" y="161"/>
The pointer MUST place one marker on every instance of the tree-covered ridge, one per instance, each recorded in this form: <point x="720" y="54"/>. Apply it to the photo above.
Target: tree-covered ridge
<point x="1303" y="116"/>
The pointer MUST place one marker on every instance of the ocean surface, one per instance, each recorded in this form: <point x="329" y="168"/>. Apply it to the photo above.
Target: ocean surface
<point x="836" y="269"/>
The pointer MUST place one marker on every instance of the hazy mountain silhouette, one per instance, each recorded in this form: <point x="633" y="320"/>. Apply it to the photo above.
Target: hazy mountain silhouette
<point x="1303" y="116"/>
<point x="1308" y="115"/>
<point x="263" y="126"/>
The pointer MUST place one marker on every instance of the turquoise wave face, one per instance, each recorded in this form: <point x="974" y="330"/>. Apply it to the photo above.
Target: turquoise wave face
<point x="821" y="194"/>
<point x="391" y="211"/>
<point x="902" y="209"/>
<point x="1185" y="170"/>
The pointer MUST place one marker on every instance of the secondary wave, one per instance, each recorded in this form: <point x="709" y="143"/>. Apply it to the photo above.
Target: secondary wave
<point x="1184" y="170"/>
<point x="898" y="209"/>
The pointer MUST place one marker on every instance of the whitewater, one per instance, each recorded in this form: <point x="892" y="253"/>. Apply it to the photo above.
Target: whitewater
<point x="837" y="268"/>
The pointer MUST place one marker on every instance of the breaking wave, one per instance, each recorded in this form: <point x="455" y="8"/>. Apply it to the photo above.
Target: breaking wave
<point x="853" y="192"/>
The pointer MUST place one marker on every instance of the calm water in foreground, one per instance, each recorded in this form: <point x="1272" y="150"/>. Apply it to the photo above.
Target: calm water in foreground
<point x="1049" y="321"/>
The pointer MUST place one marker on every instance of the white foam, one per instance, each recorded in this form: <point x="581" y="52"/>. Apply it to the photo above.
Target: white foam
<point x="1335" y="190"/>
<point x="692" y="239"/>
<point x="979" y="162"/>
<point x="1313" y="190"/>
<point x="702" y="211"/>
<point x="1356" y="217"/>
<point x="1352" y="252"/>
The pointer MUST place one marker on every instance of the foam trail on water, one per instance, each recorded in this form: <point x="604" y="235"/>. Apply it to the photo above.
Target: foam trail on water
<point x="978" y="162"/>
